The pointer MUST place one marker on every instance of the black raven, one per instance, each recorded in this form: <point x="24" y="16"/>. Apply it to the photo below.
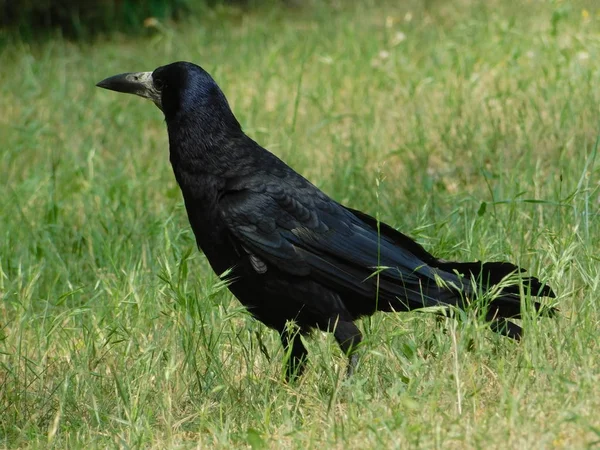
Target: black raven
<point x="297" y="255"/>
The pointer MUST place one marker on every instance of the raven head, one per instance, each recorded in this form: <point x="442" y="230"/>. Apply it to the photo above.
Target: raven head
<point x="180" y="86"/>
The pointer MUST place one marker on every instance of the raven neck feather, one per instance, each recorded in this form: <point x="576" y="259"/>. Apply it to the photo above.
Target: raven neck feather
<point x="209" y="144"/>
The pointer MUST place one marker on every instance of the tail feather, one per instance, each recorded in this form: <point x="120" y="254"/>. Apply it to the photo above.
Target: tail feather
<point x="508" y="302"/>
<point x="486" y="274"/>
<point x="492" y="273"/>
<point x="507" y="328"/>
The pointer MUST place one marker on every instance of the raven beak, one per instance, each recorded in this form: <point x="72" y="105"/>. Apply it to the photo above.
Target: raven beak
<point x="139" y="83"/>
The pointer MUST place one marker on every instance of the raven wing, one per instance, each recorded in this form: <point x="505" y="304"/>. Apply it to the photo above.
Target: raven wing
<point x="290" y="224"/>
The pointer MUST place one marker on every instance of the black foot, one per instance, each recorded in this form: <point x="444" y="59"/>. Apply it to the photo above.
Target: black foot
<point x="348" y="337"/>
<point x="295" y="356"/>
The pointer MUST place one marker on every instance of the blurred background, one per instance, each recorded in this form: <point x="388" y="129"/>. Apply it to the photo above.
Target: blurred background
<point x="83" y="19"/>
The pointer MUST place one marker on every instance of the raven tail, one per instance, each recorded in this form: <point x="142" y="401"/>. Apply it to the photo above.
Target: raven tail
<point x="509" y="280"/>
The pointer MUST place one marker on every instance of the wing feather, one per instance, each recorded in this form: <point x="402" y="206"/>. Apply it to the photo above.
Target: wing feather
<point x="306" y="233"/>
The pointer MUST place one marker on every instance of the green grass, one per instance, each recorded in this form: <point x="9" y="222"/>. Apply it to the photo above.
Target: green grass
<point x="472" y="126"/>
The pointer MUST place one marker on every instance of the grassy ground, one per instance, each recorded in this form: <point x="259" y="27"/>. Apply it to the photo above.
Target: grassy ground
<point x="473" y="128"/>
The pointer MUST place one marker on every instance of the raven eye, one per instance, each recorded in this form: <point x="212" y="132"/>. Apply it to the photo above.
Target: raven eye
<point x="158" y="84"/>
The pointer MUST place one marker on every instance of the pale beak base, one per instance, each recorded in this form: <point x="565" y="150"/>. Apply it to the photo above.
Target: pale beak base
<point x="138" y="83"/>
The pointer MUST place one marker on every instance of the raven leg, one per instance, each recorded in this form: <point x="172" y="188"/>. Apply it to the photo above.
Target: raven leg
<point x="296" y="353"/>
<point x="348" y="337"/>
